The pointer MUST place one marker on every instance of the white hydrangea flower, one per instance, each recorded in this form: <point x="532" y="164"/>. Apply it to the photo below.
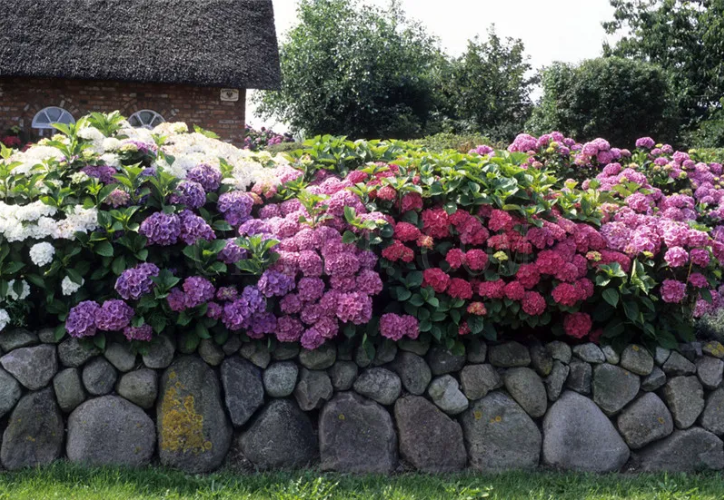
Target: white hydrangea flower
<point x="42" y="253"/>
<point x="169" y="128"/>
<point x="95" y="136"/>
<point x="4" y="319"/>
<point x="111" y="144"/>
<point x="69" y="287"/>
<point x="110" y="159"/>
<point x="23" y="294"/>
<point x="79" y="178"/>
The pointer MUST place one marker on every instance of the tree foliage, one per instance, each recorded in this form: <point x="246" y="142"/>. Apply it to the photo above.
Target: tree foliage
<point x="606" y="97"/>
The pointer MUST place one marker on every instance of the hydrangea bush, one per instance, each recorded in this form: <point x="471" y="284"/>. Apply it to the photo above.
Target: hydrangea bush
<point x="107" y="230"/>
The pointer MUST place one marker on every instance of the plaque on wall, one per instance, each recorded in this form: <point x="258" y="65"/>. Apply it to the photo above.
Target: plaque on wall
<point x="229" y="95"/>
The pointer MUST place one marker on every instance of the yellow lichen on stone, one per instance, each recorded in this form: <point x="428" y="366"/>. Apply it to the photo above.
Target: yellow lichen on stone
<point x="478" y="414"/>
<point x="181" y="427"/>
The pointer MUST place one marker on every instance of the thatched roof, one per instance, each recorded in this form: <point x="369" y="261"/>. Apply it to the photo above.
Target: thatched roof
<point x="225" y="43"/>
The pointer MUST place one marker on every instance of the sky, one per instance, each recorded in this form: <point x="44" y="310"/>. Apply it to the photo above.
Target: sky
<point x="554" y="30"/>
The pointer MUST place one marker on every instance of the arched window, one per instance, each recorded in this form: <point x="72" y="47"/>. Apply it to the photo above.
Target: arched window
<point x="145" y="118"/>
<point x="46" y="117"/>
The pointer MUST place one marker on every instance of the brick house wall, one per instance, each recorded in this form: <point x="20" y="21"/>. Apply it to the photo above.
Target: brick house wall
<point x="22" y="98"/>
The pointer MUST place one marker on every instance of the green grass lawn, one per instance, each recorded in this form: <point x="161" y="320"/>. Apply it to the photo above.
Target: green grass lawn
<point x="65" y="482"/>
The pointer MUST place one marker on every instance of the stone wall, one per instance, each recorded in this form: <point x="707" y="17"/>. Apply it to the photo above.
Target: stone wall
<point x="499" y="407"/>
<point x="22" y="98"/>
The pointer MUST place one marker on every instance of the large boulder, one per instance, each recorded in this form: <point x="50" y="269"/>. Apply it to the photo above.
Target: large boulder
<point x="243" y="389"/>
<point x="74" y="354"/>
<point x="509" y="355"/>
<point x="121" y="356"/>
<point x="614" y="387"/>
<point x="160" y="353"/>
<point x="318" y="359"/>
<point x="579" y="377"/>
<point x="528" y="390"/>
<point x="556" y="380"/>
<point x="478" y="380"/>
<point x="280" y="437"/>
<point x="34" y="435"/>
<point x="313" y="389"/>
<point x="34" y="367"/>
<point x="413" y="372"/>
<point x="17" y="338"/>
<point x="685" y="398"/>
<point x="578" y="436"/>
<point x="590" y="353"/>
<point x="379" y="384"/>
<point x="713" y="417"/>
<point x="645" y="421"/>
<point x="10" y="392"/>
<point x="637" y="359"/>
<point x="140" y="387"/>
<point x="445" y="393"/>
<point x="99" y="377"/>
<point x="356" y="435"/>
<point x="343" y="374"/>
<point x="68" y="389"/>
<point x="429" y="440"/>
<point x="678" y="365"/>
<point x="280" y="378"/>
<point x="691" y="450"/>
<point x="710" y="371"/>
<point x="194" y="433"/>
<point x="499" y="435"/>
<point x="110" y="431"/>
<point x="443" y="361"/>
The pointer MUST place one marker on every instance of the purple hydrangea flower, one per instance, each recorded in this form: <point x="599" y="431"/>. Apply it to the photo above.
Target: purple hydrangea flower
<point x="161" y="229"/>
<point x="312" y="339"/>
<point x="226" y="293"/>
<point x="238" y="314"/>
<point x="117" y="198"/>
<point x="81" y="320"/>
<point x="135" y="282"/>
<point x="198" y="291"/>
<point x="354" y="308"/>
<point x="143" y="333"/>
<point x="114" y="315"/>
<point x="214" y="311"/>
<point x="206" y="175"/>
<point x="262" y="323"/>
<point x="289" y="329"/>
<point x="176" y="300"/>
<point x="236" y="207"/>
<point x="253" y="227"/>
<point x="103" y="173"/>
<point x="194" y="228"/>
<point x="273" y="283"/>
<point x="189" y="193"/>
<point x="232" y="252"/>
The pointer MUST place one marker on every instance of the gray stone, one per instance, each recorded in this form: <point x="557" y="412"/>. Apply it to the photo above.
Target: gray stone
<point x="713" y="348"/>
<point x="140" y="387"/>
<point x="17" y="338"/>
<point x="612" y="356"/>
<point x="99" y="377"/>
<point x="280" y="379"/>
<point x="590" y="353"/>
<point x="442" y="361"/>
<point x="692" y="450"/>
<point x="556" y="380"/>
<point x="646" y="420"/>
<point x="385" y="353"/>
<point x="637" y="359"/>
<point x="211" y="352"/>
<point x="578" y="436"/>
<point x="34" y="367"/>
<point x="499" y="435"/>
<point x="232" y="345"/>
<point x="560" y="351"/>
<point x="160" y="353"/>
<point x="661" y="355"/>
<point x="318" y="359"/>
<point x="526" y="387"/>
<point x="654" y="381"/>
<point x="540" y="359"/>
<point x="445" y="393"/>
<point x="10" y="392"/>
<point x="356" y="435"/>
<point x="678" y="365"/>
<point x="478" y="380"/>
<point x="313" y="390"/>
<point x="429" y="440"/>
<point x="285" y="351"/>
<point x="243" y="389"/>
<point x="579" y="377"/>
<point x="614" y="387"/>
<point x="710" y="371"/>
<point x="121" y="356"/>
<point x="418" y="347"/>
<point x="194" y="434"/>
<point x="413" y="371"/>
<point x="476" y="350"/>
<point x="34" y="435"/>
<point x="281" y="437"/>
<point x="685" y="398"/>
<point x="73" y="354"/>
<point x="257" y="353"/>
<point x="379" y="384"/>
<point x="47" y="336"/>
<point x="68" y="389"/>
<point x="713" y="417"/>
<point x="343" y="374"/>
<point x="691" y="350"/>
<point x="509" y="355"/>
<point x="110" y="431"/>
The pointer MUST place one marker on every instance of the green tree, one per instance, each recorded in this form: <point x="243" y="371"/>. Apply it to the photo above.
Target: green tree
<point x="614" y="98"/>
<point x="685" y="37"/>
<point x="357" y="71"/>
<point x="488" y="90"/>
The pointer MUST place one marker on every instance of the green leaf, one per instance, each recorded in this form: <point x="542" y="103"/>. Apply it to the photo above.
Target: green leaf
<point x="349" y="237"/>
<point x="632" y="310"/>
<point x="611" y="296"/>
<point x="403" y="294"/>
<point x="104" y="248"/>
<point x="100" y="341"/>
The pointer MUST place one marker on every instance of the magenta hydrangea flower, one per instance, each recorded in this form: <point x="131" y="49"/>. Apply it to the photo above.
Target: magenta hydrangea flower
<point x="143" y="333"/>
<point x="114" y="315"/>
<point x="194" y="228"/>
<point x="673" y="291"/>
<point x="312" y="339"/>
<point x="341" y="264"/>
<point x="354" y="308"/>
<point x="136" y="282"/>
<point x="118" y="198"/>
<point x="190" y="194"/>
<point x="273" y="283"/>
<point x="289" y="329"/>
<point x="645" y="143"/>
<point x="236" y="207"/>
<point x="676" y="257"/>
<point x="198" y="291"/>
<point x="310" y="263"/>
<point x="81" y="321"/>
<point x="310" y="289"/>
<point x="206" y="175"/>
<point x="394" y="326"/>
<point x="161" y="229"/>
